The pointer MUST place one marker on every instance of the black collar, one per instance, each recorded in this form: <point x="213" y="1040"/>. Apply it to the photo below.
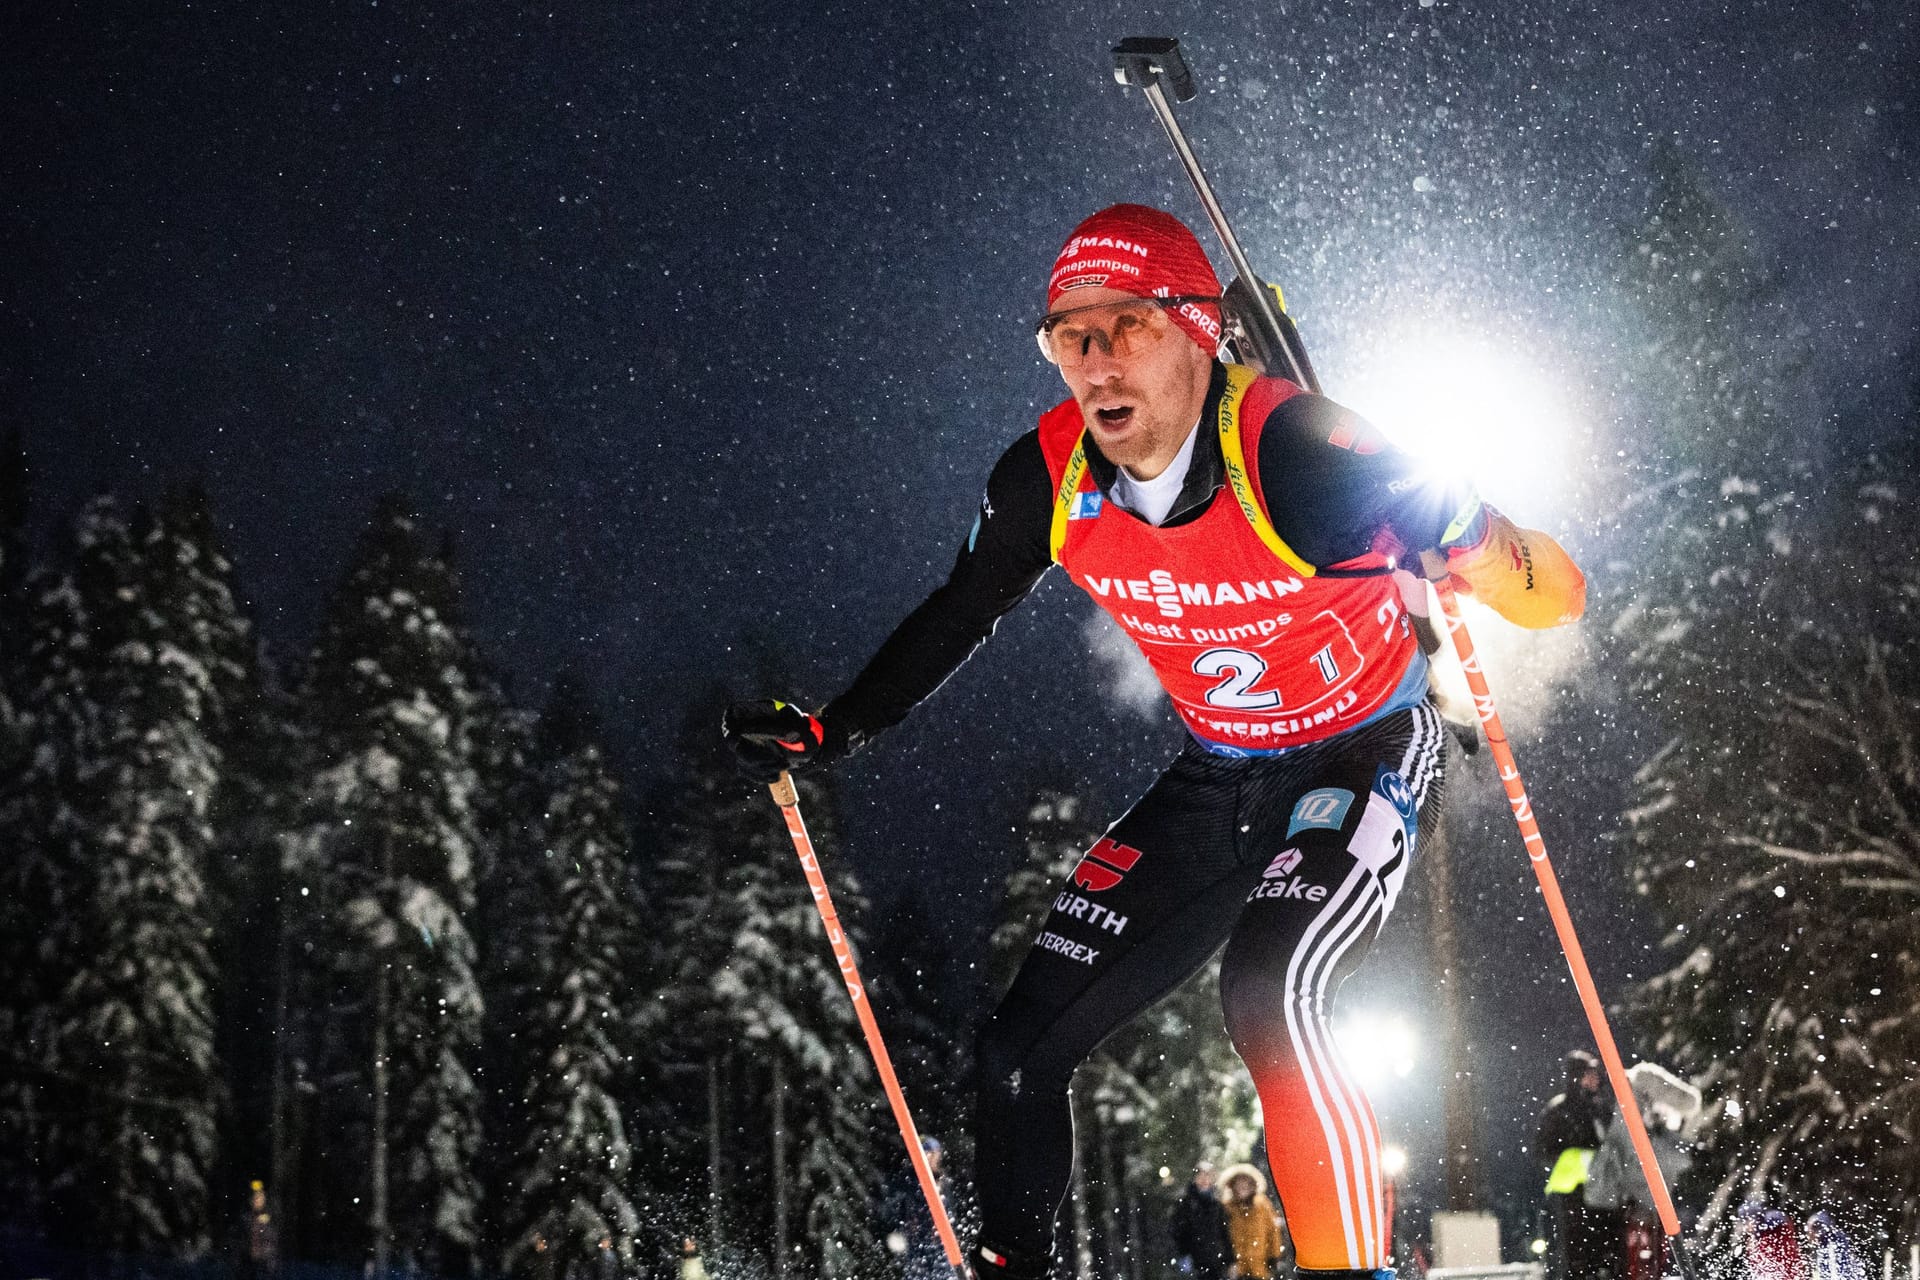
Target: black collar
<point x="1206" y="473"/>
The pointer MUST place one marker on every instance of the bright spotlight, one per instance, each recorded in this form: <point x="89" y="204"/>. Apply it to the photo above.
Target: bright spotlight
<point x="1377" y="1049"/>
<point x="1468" y="405"/>
<point x="1393" y="1160"/>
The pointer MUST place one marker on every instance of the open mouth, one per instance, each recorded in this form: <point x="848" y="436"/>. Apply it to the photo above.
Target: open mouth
<point x="1113" y="419"/>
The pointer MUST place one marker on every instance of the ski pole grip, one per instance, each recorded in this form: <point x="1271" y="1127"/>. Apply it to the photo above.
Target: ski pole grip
<point x="1140" y="61"/>
<point x="784" y="793"/>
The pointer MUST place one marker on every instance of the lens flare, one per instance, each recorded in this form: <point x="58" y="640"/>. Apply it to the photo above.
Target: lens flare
<point x="1470" y="406"/>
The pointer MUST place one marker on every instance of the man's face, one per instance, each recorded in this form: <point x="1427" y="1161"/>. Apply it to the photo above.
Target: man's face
<point x="1590" y="1080"/>
<point x="1203" y="1179"/>
<point x="1138" y="409"/>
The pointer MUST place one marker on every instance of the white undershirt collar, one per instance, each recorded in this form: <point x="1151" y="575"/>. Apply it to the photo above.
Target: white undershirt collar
<point x="1151" y="500"/>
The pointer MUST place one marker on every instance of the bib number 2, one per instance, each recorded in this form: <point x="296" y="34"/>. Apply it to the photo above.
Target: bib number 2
<point x="1243" y="670"/>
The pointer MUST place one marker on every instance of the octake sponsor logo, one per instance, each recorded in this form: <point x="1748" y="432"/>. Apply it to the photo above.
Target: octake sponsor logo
<point x="1278" y="881"/>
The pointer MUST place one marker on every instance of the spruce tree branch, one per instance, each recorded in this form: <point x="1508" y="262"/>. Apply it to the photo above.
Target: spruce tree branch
<point x="1827" y="858"/>
<point x="1880" y="886"/>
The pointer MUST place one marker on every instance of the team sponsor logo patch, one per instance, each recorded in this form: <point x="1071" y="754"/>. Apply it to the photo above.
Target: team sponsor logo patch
<point x="1105" y="865"/>
<point x="1085" y="506"/>
<point x="1324" y="809"/>
<point x="1391" y="785"/>
<point x="1278" y="881"/>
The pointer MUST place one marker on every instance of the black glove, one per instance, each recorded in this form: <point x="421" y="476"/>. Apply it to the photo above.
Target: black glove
<point x="768" y="736"/>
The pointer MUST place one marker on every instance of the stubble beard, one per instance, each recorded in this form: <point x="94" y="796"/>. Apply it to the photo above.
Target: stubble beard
<point x="1156" y="434"/>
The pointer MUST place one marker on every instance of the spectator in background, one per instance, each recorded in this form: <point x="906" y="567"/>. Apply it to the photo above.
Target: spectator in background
<point x="1252" y="1225"/>
<point x="912" y="1237"/>
<point x="1199" y="1229"/>
<point x="263" y="1237"/>
<point x="1570" y="1130"/>
<point x="1617" y="1187"/>
<point x="691" y="1267"/>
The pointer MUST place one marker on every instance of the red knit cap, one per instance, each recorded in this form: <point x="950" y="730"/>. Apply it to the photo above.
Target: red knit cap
<point x="1140" y="250"/>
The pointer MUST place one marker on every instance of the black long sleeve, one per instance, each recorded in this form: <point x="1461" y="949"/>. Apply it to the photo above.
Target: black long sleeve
<point x="1332" y="483"/>
<point x="1003" y="557"/>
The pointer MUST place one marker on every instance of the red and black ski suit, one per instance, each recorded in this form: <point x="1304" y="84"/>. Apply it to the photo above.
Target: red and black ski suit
<point x="1285" y="827"/>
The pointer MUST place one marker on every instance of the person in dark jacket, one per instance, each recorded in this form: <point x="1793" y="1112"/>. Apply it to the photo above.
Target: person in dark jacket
<point x="1199" y="1229"/>
<point x="912" y="1235"/>
<point x="1570" y="1134"/>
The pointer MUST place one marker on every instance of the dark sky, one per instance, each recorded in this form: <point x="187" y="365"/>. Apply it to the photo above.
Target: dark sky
<point x="700" y="323"/>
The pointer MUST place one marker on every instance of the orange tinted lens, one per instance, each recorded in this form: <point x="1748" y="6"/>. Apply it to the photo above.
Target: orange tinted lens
<point x="1122" y="330"/>
<point x="1134" y="329"/>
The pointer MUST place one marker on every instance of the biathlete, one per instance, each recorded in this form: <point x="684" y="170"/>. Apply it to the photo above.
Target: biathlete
<point x="1253" y="539"/>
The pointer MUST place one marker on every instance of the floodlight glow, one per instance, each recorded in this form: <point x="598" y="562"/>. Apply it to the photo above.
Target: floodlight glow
<point x="1375" y="1049"/>
<point x="1393" y="1160"/>
<point x="1468" y="405"/>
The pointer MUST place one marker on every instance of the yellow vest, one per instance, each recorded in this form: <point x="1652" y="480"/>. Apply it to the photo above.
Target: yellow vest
<point x="1570" y="1171"/>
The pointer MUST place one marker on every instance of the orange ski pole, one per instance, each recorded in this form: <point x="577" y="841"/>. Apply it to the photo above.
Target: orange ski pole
<point x="1536" y="847"/>
<point x="788" y="799"/>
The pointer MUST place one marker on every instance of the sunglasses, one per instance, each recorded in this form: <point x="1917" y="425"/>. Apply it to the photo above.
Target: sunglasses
<point x="1121" y="329"/>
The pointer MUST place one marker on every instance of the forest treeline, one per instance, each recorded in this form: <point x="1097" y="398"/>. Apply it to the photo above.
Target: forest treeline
<point x="359" y="928"/>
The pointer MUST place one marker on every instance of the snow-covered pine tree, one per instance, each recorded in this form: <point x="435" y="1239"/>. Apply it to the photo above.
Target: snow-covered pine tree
<point x="251" y="946"/>
<point x="41" y="882"/>
<point x="509" y="800"/>
<point x="570" y="1215"/>
<point x="1792" y="996"/>
<point x="384" y="862"/>
<point x="691" y="1156"/>
<point x="782" y="994"/>
<point x="129" y="720"/>
<point x="248" y="811"/>
<point x="1768" y="828"/>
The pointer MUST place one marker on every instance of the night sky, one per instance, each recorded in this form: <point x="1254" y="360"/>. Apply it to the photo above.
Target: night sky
<point x="700" y="326"/>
